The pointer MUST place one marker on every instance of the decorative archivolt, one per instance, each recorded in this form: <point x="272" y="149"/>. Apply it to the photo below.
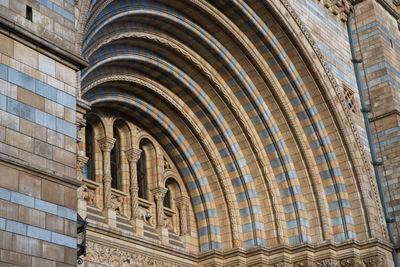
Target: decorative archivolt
<point x="307" y="156"/>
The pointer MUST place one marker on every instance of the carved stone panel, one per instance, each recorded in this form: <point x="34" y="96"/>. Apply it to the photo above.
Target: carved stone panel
<point x="101" y="254"/>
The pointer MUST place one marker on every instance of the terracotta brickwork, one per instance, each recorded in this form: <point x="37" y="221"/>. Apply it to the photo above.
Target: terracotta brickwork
<point x="195" y="133"/>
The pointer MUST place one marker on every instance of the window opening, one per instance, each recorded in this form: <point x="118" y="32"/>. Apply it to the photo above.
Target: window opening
<point x="88" y="172"/>
<point x="167" y="199"/>
<point x="142" y="175"/>
<point x="115" y="160"/>
<point x="29" y="15"/>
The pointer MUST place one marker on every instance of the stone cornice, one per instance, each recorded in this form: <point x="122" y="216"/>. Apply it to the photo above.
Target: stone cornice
<point x="389" y="8"/>
<point x="349" y="250"/>
<point x="339" y="8"/>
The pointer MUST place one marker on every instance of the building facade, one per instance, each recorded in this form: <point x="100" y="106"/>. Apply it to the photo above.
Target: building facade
<point x="199" y="133"/>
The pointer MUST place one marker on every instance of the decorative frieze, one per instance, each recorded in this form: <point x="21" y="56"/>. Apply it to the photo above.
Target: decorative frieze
<point x="108" y="256"/>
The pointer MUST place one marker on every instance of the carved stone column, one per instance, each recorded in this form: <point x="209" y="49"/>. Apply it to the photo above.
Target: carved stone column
<point x="182" y="203"/>
<point x="80" y="163"/>
<point x="159" y="194"/>
<point x="133" y="156"/>
<point x="106" y="145"/>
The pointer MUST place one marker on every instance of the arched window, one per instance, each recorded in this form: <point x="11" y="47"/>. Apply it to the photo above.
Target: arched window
<point x="115" y="160"/>
<point x="88" y="170"/>
<point x="142" y="175"/>
<point x="173" y="191"/>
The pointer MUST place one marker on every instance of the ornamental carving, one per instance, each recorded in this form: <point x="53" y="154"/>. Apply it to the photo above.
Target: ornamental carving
<point x="114" y="257"/>
<point x="133" y="154"/>
<point x="375" y="261"/>
<point x="351" y="262"/>
<point x="87" y="194"/>
<point x="106" y="143"/>
<point x="327" y="263"/>
<point x="339" y="8"/>
<point x="145" y="215"/>
<point x="167" y="166"/>
<point x="116" y="203"/>
<point x="281" y="264"/>
<point x="304" y="264"/>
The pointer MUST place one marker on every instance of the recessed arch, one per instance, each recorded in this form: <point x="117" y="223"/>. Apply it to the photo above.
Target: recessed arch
<point x="243" y="86"/>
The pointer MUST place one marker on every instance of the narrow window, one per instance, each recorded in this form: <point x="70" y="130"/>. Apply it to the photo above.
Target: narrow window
<point x="88" y="171"/>
<point x="115" y="160"/>
<point x="142" y="175"/>
<point x="167" y="199"/>
<point x="29" y="13"/>
<point x="391" y="43"/>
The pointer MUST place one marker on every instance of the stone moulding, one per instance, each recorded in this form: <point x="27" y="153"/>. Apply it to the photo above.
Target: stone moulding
<point x="351" y="254"/>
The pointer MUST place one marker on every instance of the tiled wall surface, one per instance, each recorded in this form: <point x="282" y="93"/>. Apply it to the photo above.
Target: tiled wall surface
<point x="37" y="219"/>
<point x="376" y="30"/>
<point x="37" y="140"/>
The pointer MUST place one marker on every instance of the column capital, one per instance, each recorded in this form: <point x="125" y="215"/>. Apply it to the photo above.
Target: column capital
<point x="106" y="143"/>
<point x="80" y="162"/>
<point x="159" y="193"/>
<point x="182" y="200"/>
<point x="133" y="154"/>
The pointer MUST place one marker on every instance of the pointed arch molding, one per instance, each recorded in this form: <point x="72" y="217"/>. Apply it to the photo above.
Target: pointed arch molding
<point x="298" y="163"/>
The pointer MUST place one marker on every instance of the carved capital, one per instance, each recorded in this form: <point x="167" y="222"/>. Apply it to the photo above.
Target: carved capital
<point x="351" y="262"/>
<point x="182" y="201"/>
<point x="376" y="261"/>
<point x="80" y="162"/>
<point x="106" y="143"/>
<point x="133" y="154"/>
<point x="159" y="193"/>
<point x="305" y="263"/>
<point x="327" y="263"/>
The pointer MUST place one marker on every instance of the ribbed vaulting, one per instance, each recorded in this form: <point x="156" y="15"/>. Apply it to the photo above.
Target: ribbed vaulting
<point x="237" y="97"/>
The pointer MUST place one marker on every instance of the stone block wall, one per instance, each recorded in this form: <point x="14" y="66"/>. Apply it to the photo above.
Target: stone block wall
<point x="53" y="20"/>
<point x="377" y="37"/>
<point x="37" y="158"/>
<point x="38" y="90"/>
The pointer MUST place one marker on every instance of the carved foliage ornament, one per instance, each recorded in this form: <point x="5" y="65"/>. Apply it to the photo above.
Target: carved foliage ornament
<point x="133" y="154"/>
<point x="110" y="256"/>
